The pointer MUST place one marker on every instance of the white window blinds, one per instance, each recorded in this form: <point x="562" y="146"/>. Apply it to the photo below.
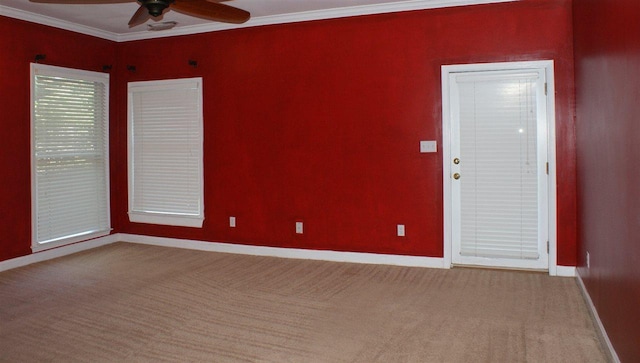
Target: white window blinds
<point x="165" y="152"/>
<point x="499" y="184"/>
<point x="70" y="184"/>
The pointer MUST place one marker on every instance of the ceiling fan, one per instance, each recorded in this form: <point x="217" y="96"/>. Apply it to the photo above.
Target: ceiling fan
<point x="205" y="9"/>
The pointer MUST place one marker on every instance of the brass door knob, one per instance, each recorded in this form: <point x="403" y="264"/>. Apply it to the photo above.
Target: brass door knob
<point x="456" y="176"/>
<point x="456" y="161"/>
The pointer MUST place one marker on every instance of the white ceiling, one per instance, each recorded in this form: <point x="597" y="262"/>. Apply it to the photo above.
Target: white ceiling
<point x="110" y="21"/>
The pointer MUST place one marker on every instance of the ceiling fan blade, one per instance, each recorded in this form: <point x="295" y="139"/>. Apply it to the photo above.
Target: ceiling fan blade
<point x="211" y="11"/>
<point x="139" y="17"/>
<point x="81" y="2"/>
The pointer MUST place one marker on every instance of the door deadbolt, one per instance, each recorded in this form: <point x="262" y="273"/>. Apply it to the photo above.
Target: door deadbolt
<point x="456" y="161"/>
<point x="456" y="176"/>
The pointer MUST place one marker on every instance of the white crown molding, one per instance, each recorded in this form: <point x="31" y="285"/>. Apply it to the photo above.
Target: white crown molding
<point x="310" y="16"/>
<point x="392" y="7"/>
<point x="56" y="23"/>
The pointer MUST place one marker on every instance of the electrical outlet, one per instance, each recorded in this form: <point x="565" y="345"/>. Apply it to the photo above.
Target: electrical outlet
<point x="299" y="228"/>
<point x="400" y="230"/>
<point x="232" y="222"/>
<point x="588" y="260"/>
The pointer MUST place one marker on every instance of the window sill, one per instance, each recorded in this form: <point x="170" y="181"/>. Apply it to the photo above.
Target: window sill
<point x="43" y="246"/>
<point x="167" y="219"/>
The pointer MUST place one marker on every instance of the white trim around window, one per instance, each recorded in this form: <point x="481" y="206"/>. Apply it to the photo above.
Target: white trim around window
<point x="69" y="156"/>
<point x="165" y="156"/>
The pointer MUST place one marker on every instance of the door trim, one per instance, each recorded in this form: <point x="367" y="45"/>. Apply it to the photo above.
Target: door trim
<point x="547" y="65"/>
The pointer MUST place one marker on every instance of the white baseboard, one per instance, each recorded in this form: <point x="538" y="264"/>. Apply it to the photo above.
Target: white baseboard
<point x="57" y="252"/>
<point x="594" y="313"/>
<point x="336" y="256"/>
<point x="322" y="255"/>
<point x="565" y="271"/>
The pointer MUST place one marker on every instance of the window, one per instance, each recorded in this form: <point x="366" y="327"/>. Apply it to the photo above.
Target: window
<point x="165" y="152"/>
<point x="69" y="157"/>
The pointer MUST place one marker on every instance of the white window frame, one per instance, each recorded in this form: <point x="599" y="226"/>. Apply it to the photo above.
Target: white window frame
<point x="138" y="213"/>
<point x="104" y="227"/>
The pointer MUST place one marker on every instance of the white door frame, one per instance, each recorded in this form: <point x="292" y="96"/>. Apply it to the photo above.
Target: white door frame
<point x="547" y="65"/>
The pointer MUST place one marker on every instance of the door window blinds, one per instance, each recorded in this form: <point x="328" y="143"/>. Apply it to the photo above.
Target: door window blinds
<point x="70" y="184"/>
<point x="165" y="152"/>
<point x="499" y="184"/>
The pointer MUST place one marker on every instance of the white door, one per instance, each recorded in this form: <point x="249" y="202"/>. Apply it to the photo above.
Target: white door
<point x="498" y="168"/>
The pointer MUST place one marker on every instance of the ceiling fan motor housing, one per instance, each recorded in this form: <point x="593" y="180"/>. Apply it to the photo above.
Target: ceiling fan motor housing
<point x="156" y="7"/>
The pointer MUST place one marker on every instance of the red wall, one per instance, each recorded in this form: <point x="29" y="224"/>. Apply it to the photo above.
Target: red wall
<point x="607" y="39"/>
<point x="316" y="121"/>
<point x="321" y="122"/>
<point x="20" y="41"/>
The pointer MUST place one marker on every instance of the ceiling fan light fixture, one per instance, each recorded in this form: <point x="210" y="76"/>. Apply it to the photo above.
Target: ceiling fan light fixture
<point x="165" y="25"/>
<point x="212" y="10"/>
<point x="156" y="7"/>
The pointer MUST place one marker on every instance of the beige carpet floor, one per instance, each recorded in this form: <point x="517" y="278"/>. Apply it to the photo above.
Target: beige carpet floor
<point x="137" y="303"/>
